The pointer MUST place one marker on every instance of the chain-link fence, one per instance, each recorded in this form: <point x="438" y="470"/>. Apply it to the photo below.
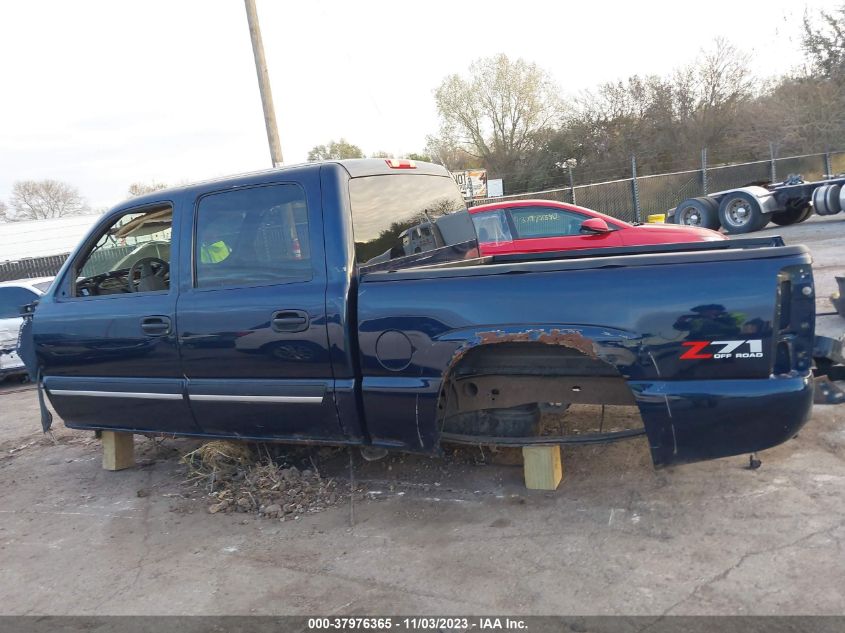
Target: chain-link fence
<point x="633" y="199"/>
<point x="630" y="199"/>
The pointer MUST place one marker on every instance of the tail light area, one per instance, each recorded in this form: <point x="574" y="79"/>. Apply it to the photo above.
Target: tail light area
<point x="795" y="320"/>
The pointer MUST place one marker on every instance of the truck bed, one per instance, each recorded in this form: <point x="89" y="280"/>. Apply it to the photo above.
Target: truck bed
<point x="711" y="341"/>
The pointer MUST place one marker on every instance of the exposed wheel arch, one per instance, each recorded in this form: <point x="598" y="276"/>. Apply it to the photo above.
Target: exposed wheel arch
<point x="509" y="375"/>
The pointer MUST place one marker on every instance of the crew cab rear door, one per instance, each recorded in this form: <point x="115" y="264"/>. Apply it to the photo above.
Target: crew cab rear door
<point x="252" y="314"/>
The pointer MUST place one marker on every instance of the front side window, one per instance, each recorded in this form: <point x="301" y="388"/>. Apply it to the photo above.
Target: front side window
<point x="252" y="237"/>
<point x="12" y="299"/>
<point x="132" y="255"/>
<point x="531" y="222"/>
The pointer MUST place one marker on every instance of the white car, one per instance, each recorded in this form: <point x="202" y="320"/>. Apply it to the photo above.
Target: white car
<point x="13" y="295"/>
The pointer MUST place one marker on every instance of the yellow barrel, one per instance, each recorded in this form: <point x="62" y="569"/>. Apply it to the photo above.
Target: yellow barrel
<point x="656" y="218"/>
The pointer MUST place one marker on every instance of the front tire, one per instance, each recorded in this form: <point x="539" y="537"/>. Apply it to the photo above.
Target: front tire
<point x="740" y="212"/>
<point x="703" y="212"/>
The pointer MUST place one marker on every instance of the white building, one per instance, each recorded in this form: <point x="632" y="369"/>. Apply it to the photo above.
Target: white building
<point x="40" y="238"/>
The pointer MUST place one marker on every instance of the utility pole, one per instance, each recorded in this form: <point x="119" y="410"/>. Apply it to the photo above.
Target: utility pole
<point x="264" y="84"/>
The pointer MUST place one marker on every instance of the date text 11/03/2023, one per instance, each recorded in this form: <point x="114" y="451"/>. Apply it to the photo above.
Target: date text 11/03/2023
<point x="427" y="623"/>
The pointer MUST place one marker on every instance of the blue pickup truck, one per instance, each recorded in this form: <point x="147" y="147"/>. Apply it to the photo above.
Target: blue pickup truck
<point x="284" y="306"/>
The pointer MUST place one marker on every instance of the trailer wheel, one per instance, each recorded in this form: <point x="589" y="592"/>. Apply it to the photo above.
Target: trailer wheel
<point x="792" y="216"/>
<point x="702" y="212"/>
<point x="740" y="212"/>
<point x="808" y="211"/>
<point x="818" y="201"/>
<point x="833" y="196"/>
<point x="826" y="199"/>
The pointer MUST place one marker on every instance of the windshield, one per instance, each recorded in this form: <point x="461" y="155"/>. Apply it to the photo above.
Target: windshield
<point x="400" y="215"/>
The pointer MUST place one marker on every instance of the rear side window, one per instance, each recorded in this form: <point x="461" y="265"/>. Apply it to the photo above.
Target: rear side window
<point x="12" y="299"/>
<point x="492" y="227"/>
<point x="252" y="237"/>
<point x="531" y="222"/>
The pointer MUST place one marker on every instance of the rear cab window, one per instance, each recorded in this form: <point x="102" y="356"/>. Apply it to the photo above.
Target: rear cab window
<point x="407" y="219"/>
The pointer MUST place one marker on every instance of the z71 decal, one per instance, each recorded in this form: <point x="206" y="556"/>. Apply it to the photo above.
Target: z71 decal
<point x="702" y="350"/>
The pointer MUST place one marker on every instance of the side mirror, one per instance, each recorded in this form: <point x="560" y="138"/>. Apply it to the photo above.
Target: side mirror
<point x="594" y="226"/>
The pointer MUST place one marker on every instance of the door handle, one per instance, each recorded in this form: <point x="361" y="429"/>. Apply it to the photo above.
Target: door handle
<point x="289" y="321"/>
<point x="156" y="325"/>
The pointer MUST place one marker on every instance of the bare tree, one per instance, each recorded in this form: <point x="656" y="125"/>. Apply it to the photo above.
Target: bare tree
<point x="496" y="113"/>
<point x="419" y="156"/>
<point x="445" y="151"/>
<point x="723" y="85"/>
<point x="335" y="150"/>
<point x="43" y="199"/>
<point x="664" y="121"/>
<point x="799" y="115"/>
<point x="140" y="188"/>
<point x="3" y="211"/>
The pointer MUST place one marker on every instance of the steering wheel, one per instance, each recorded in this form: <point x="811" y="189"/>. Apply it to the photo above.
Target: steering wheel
<point x="144" y="268"/>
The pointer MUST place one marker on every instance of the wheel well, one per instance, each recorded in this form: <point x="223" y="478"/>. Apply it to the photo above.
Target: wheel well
<point x="509" y="374"/>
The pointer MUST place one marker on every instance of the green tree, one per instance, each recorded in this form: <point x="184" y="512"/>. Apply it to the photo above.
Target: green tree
<point x="824" y="43"/>
<point x="496" y="113"/>
<point x="335" y="150"/>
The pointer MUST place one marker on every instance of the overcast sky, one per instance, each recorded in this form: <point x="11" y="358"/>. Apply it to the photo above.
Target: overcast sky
<point x="103" y="94"/>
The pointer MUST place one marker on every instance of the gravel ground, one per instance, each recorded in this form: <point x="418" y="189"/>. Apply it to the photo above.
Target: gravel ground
<point x="454" y="535"/>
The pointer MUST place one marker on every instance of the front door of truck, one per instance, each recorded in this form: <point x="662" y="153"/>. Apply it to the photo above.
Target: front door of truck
<point x="104" y="335"/>
<point x="252" y="316"/>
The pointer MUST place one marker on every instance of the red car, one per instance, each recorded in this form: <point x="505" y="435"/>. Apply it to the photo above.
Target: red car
<point x="531" y="226"/>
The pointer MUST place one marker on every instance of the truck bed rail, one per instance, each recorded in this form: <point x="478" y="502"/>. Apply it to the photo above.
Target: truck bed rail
<point x="651" y="249"/>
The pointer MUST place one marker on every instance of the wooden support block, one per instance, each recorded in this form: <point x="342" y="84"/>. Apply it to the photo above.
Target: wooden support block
<point x="118" y="450"/>
<point x="542" y="467"/>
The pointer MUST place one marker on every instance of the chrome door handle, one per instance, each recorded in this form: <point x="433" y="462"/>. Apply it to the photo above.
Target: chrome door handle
<point x="289" y="321"/>
<point x="156" y="325"/>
